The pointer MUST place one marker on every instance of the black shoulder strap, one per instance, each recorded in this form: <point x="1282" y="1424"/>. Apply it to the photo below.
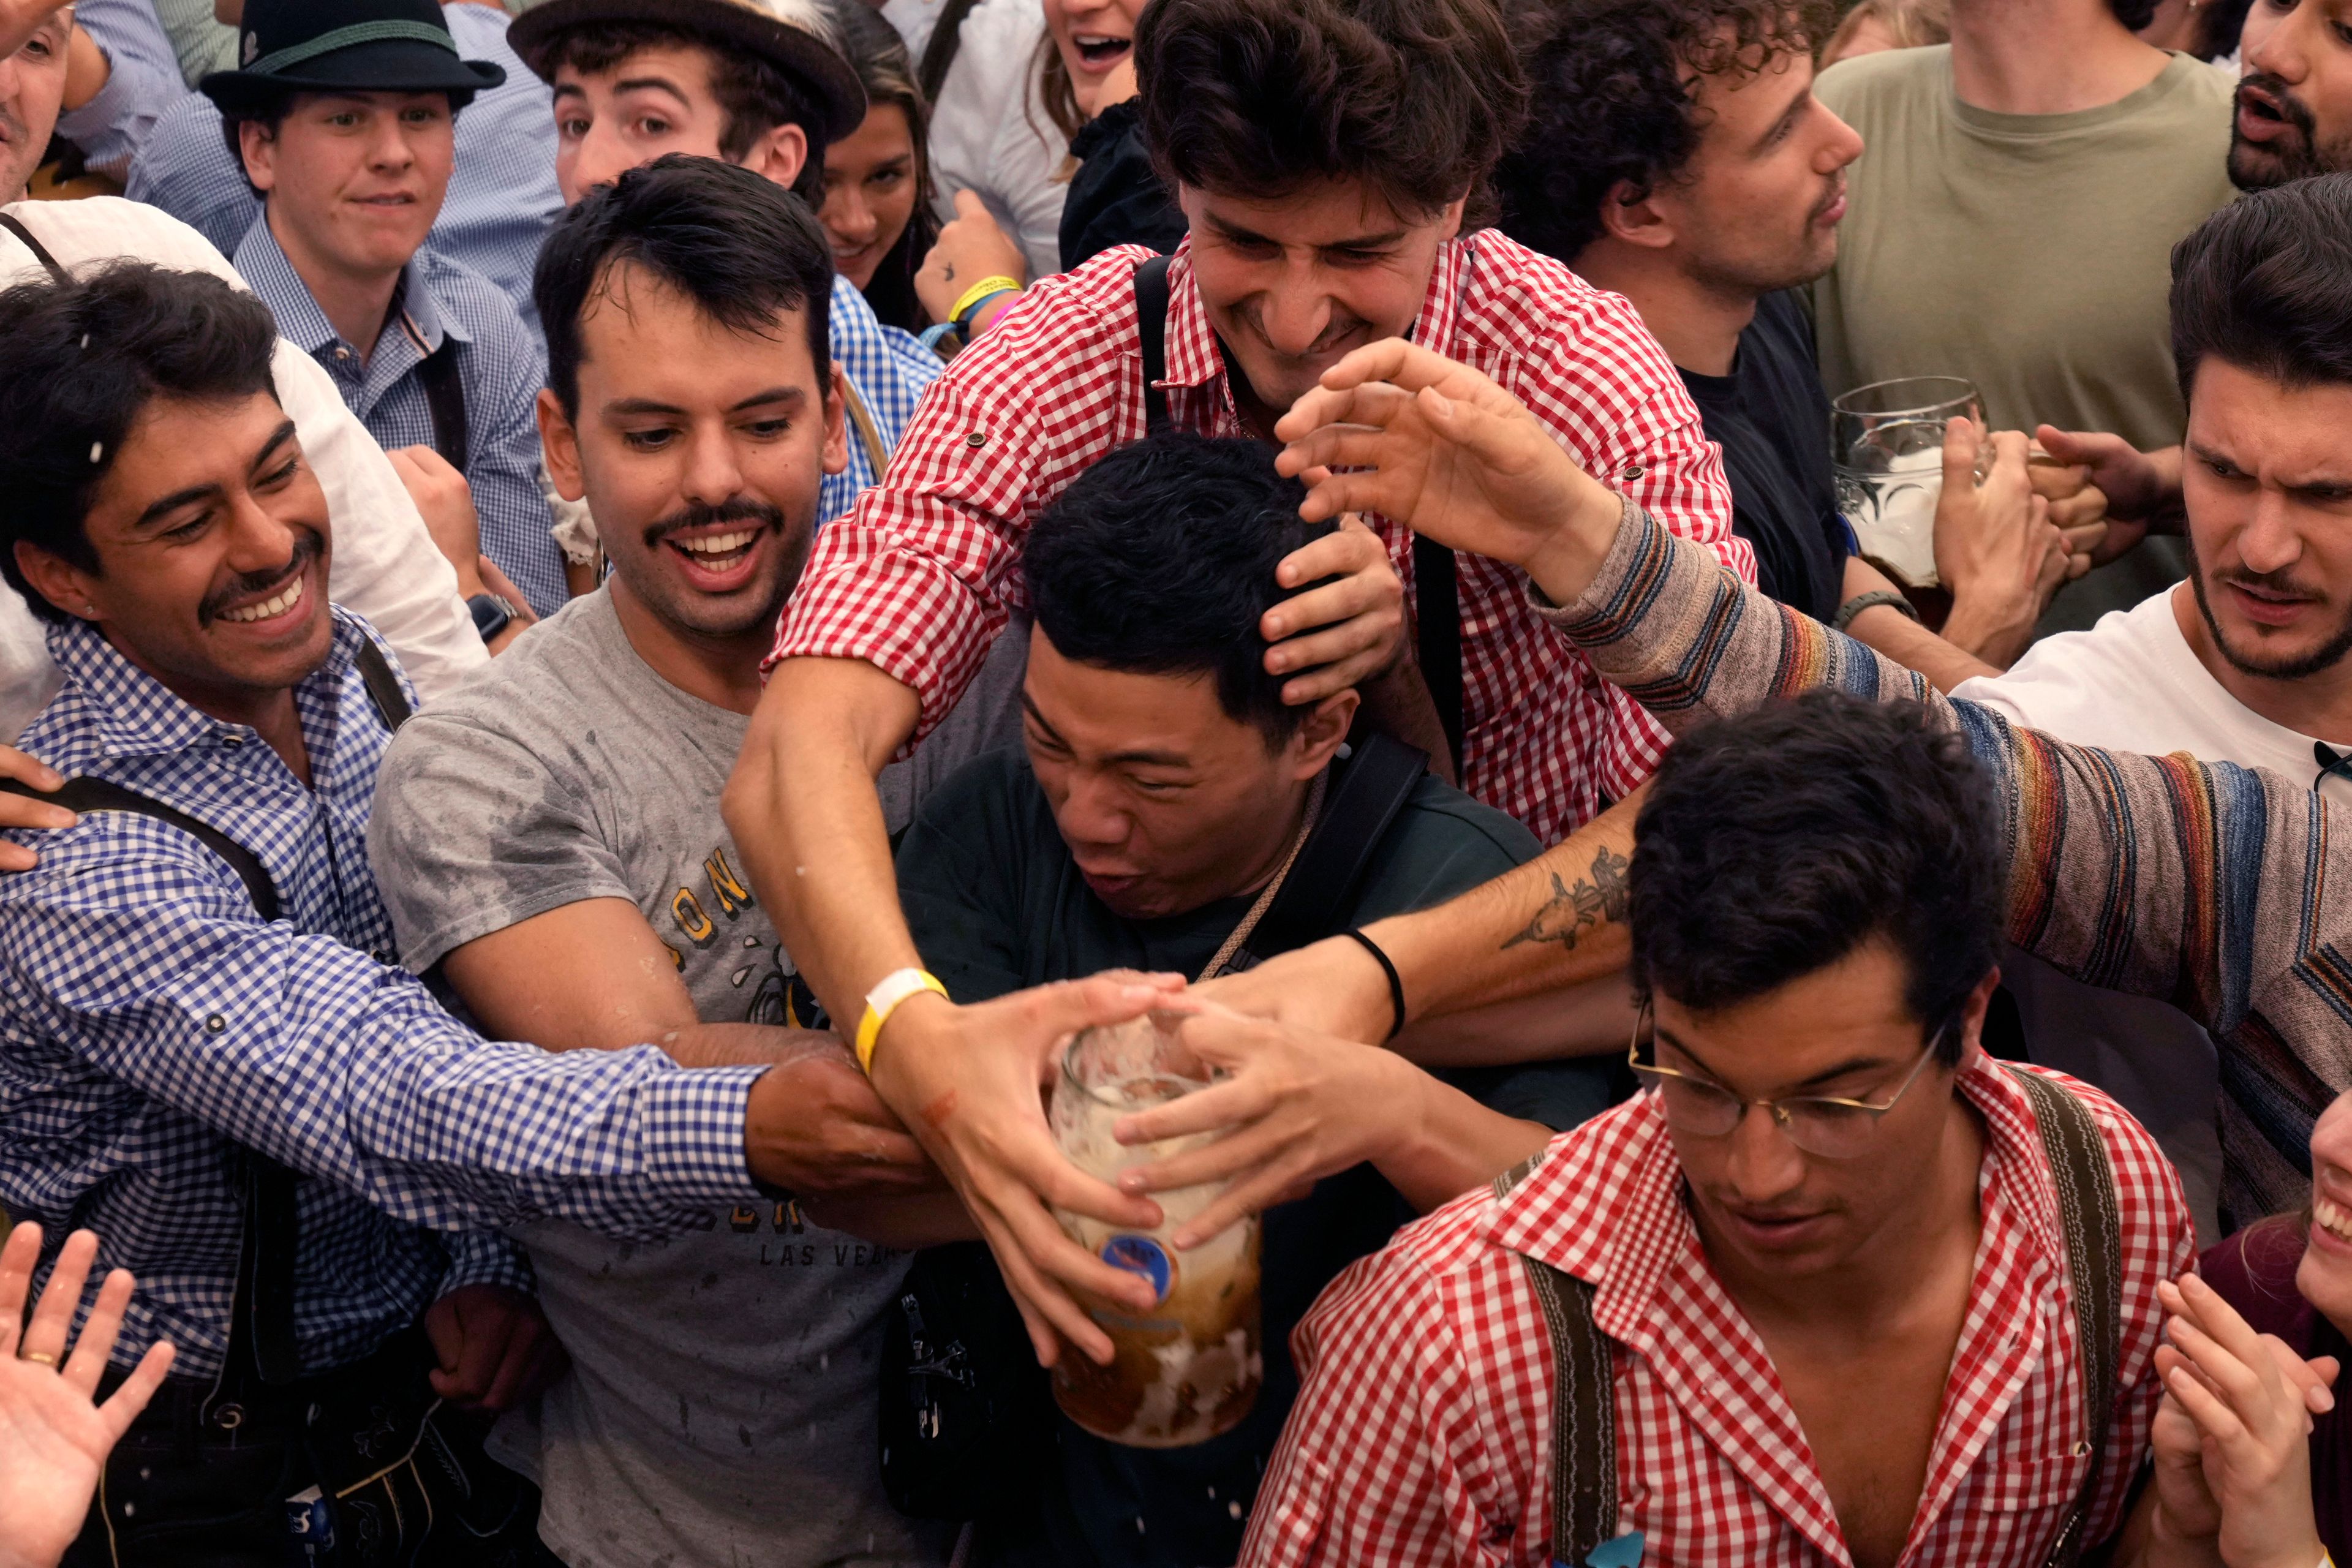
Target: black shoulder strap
<point x="1152" y="333"/>
<point x="40" y="252"/>
<point x="1367" y="793"/>
<point x="383" y="685"/>
<point x="84" y="795"/>
<point x="1583" y="1404"/>
<point x="2093" y="1221"/>
<point x="940" y="50"/>
<point x="1437" y="619"/>
<point x="444" y="399"/>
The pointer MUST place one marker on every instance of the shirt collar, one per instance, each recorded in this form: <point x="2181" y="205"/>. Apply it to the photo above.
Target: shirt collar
<point x="261" y="262"/>
<point x="1647" y="1231"/>
<point x="136" y="715"/>
<point x="1193" y="356"/>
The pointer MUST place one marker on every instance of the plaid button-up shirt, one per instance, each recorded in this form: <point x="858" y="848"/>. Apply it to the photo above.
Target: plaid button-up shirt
<point x="150" y="1024"/>
<point x="500" y="365"/>
<point x="919" y="579"/>
<point x="1424" y="1433"/>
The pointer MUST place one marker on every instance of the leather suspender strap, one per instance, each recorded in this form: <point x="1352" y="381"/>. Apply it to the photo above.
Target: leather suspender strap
<point x="869" y="434"/>
<point x="87" y="794"/>
<point x="1367" y="792"/>
<point x="2093" y="1223"/>
<point x="940" y="49"/>
<point x="1437" y="625"/>
<point x="40" y="252"/>
<point x="383" y="685"/>
<point x="1583" y="1404"/>
<point x="444" y="399"/>
<point x="1151" y="333"/>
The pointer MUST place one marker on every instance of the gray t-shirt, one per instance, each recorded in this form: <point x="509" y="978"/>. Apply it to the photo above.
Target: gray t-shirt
<point x="721" y="1404"/>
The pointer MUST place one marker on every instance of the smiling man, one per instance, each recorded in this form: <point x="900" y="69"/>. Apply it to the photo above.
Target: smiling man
<point x="550" y="841"/>
<point x="204" y="1049"/>
<point x="349" y="135"/>
<point x="1327" y="155"/>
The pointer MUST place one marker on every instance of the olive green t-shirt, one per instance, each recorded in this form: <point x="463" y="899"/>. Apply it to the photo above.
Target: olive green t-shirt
<point x="2030" y="253"/>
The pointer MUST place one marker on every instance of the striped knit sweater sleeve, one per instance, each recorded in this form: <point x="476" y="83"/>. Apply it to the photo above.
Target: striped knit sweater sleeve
<point x="2208" y="886"/>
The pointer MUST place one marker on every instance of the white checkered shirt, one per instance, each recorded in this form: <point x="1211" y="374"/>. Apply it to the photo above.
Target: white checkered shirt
<point x="150" y="1023"/>
<point x="1424" y="1432"/>
<point x="918" y="581"/>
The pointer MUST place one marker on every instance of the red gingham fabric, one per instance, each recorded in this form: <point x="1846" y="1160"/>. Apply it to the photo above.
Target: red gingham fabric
<point x="918" y="578"/>
<point x="1423" y="1434"/>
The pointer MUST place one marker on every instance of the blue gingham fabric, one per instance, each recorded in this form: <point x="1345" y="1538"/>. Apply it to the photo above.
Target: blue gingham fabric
<point x="150" y="1023"/>
<point x="501" y="365"/>
<point x="502" y="192"/>
<point x="143" y="77"/>
<point x="889" y="368"/>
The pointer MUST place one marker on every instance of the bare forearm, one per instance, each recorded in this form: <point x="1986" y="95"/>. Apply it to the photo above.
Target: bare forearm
<point x="1906" y="642"/>
<point x="1456" y="1144"/>
<point x="743" y="1044"/>
<point x="1556" y="922"/>
<point x="802" y="806"/>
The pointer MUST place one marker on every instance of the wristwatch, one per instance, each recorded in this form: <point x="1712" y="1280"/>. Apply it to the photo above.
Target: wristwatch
<point x="492" y="614"/>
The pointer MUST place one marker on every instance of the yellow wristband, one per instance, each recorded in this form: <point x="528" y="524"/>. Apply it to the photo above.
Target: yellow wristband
<point x="981" y="290"/>
<point x="883" y="1001"/>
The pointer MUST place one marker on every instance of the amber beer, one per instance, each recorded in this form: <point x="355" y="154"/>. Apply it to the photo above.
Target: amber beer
<point x="1188" y="1367"/>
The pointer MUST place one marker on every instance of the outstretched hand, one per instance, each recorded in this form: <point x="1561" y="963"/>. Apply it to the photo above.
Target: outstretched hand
<point x="1397" y="429"/>
<point x="54" y="1437"/>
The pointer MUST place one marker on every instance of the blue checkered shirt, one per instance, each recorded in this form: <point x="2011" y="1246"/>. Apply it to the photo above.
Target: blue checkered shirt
<point x="501" y="366"/>
<point x="143" y="77"/>
<point x="150" y="1023"/>
<point x="502" y="192"/>
<point x="889" y="367"/>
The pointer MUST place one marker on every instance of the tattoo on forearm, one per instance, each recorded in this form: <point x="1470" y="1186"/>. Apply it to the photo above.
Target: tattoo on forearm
<point x="1570" y="912"/>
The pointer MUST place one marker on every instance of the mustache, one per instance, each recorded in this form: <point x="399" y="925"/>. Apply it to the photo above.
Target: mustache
<point x="308" y="547"/>
<point x="701" y="514"/>
<point x="2291" y="108"/>
<point x="1343" y="325"/>
<point x="2280" y="582"/>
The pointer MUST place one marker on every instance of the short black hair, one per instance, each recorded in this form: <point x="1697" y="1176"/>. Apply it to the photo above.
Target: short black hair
<point x="2266" y="284"/>
<point x="2133" y="14"/>
<point x="1161" y="560"/>
<point x="755" y="93"/>
<point x="1257" y="98"/>
<point x="743" y="248"/>
<point x="1613" y="101"/>
<point x="1775" y="844"/>
<point x="79" y="360"/>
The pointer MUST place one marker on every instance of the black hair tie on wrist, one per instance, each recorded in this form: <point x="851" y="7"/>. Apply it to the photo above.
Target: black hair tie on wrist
<point x="1396" y="980"/>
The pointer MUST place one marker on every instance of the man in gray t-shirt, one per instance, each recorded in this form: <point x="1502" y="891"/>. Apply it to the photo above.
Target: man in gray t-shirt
<point x="549" y="838"/>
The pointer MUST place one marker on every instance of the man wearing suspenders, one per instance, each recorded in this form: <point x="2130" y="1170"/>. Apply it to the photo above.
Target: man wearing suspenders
<point x="344" y="115"/>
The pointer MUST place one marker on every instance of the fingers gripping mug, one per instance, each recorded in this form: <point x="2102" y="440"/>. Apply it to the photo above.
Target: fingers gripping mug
<point x="1188" y="1367"/>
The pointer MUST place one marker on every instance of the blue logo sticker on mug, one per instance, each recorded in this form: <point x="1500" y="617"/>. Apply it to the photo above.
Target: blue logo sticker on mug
<point x="1142" y="1255"/>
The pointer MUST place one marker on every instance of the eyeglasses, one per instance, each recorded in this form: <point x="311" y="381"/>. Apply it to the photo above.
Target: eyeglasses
<point x="1819" y="1124"/>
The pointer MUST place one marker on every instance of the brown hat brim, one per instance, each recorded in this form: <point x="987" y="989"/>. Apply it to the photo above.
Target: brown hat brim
<point x="833" y="86"/>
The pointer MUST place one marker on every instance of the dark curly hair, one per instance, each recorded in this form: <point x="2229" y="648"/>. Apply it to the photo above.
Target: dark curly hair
<point x="1612" y="85"/>
<point x="1416" y="97"/>
<point x="1775" y="844"/>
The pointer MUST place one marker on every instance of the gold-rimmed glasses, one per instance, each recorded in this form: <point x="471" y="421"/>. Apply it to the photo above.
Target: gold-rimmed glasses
<point x="1832" y="1128"/>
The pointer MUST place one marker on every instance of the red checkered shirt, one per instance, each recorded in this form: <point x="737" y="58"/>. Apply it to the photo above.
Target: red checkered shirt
<point x="1423" y="1434"/>
<point x="918" y="579"/>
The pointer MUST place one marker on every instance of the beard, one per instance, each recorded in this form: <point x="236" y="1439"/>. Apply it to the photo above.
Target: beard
<point x="2297" y="667"/>
<point x="2297" y="155"/>
<point x="756" y="604"/>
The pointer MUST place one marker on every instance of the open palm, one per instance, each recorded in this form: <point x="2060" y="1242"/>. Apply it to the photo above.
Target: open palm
<point x="53" y="1438"/>
<point x="1396" y="429"/>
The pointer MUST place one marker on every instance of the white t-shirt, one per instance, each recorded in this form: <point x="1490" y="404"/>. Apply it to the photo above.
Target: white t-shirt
<point x="990" y="134"/>
<point x="384" y="565"/>
<point x="2132" y="683"/>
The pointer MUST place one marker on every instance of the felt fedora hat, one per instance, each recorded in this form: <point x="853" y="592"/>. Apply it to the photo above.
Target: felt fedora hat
<point x="792" y="34"/>
<point x="346" y="46"/>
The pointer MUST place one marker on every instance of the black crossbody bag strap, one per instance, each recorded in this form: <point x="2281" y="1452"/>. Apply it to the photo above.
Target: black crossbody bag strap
<point x="2093" y="1223"/>
<point x="1151" y="335"/>
<point x="1367" y="794"/>
<point x="444" y="399"/>
<point x="1583" y="1404"/>
<point x="1437" y="627"/>
<point x="940" y="48"/>
<point x="40" y="252"/>
<point x="383" y="685"/>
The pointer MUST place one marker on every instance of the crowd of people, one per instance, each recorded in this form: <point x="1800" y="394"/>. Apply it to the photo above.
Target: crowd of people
<point x="623" y="616"/>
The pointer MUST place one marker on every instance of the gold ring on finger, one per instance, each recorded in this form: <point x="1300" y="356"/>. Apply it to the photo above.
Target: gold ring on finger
<point x="39" y="1357"/>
